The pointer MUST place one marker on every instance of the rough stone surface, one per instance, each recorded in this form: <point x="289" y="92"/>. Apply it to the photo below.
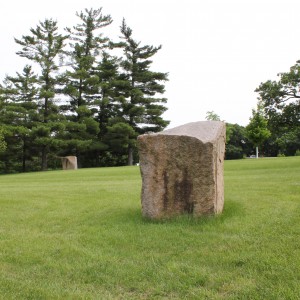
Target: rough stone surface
<point x="69" y="162"/>
<point x="182" y="170"/>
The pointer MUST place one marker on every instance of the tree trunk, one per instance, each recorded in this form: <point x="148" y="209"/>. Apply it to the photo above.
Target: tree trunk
<point x="130" y="156"/>
<point x="44" y="163"/>
<point x="79" y="160"/>
<point x="23" y="157"/>
<point x="256" y="152"/>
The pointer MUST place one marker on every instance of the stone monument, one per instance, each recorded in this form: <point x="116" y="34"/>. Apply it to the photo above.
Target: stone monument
<point x="182" y="170"/>
<point x="69" y="162"/>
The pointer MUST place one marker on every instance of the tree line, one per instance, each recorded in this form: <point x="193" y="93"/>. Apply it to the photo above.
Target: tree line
<point x="80" y="93"/>
<point x="83" y="94"/>
<point x="274" y="126"/>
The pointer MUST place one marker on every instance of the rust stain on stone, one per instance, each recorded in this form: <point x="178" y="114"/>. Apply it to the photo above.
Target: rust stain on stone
<point x="183" y="193"/>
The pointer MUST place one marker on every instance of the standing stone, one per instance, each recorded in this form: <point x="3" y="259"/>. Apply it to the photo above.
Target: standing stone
<point x="69" y="162"/>
<point x="182" y="170"/>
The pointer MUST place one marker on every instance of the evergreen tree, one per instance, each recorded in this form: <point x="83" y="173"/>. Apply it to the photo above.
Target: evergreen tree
<point x="119" y="136"/>
<point x="19" y="114"/>
<point x="93" y="106"/>
<point x="110" y="91"/>
<point x="141" y="110"/>
<point x="2" y="141"/>
<point x="109" y="102"/>
<point x="44" y="47"/>
<point x="86" y="45"/>
<point x="82" y="81"/>
<point x="78" y="135"/>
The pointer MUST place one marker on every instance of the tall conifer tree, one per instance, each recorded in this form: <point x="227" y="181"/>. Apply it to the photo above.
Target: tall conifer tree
<point x="86" y="46"/>
<point x="44" y="47"/>
<point x="143" y="109"/>
<point x="2" y="141"/>
<point x="82" y="82"/>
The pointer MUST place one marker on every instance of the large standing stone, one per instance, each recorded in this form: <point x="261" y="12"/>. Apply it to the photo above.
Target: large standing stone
<point x="182" y="170"/>
<point x="69" y="162"/>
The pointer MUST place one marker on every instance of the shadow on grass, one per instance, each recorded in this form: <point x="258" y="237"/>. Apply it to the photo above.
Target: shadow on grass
<point x="231" y="210"/>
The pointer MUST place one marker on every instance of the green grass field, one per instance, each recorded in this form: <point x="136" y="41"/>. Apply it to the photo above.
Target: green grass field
<point x="80" y="235"/>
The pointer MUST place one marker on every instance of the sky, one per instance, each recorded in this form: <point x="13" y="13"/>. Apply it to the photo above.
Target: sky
<point x="216" y="52"/>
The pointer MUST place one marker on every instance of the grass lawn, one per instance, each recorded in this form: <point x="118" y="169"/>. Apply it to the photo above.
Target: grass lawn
<point x="80" y="235"/>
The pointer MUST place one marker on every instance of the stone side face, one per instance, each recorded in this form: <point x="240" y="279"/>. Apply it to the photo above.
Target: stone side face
<point x="220" y="154"/>
<point x="181" y="174"/>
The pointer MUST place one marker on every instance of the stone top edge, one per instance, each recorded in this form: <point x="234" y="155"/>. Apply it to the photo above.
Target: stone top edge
<point x="205" y="131"/>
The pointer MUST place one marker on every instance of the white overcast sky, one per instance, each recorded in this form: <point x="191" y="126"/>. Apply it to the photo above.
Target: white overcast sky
<point x="215" y="51"/>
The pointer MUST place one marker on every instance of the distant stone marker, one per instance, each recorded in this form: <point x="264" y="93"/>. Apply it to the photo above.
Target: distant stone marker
<point x="182" y="170"/>
<point x="69" y="162"/>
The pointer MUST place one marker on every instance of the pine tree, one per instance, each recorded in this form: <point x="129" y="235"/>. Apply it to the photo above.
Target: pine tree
<point x="110" y="91"/>
<point x="86" y="45"/>
<point x="109" y="102"/>
<point x="44" y="47"/>
<point x="2" y="141"/>
<point x="94" y="109"/>
<point x="19" y="114"/>
<point x="142" y="110"/>
<point x="82" y="81"/>
<point x="3" y="144"/>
